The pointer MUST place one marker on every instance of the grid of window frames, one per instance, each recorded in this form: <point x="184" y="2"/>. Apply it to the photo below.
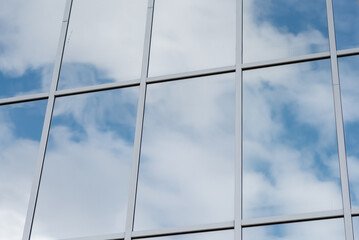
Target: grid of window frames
<point x="179" y="119"/>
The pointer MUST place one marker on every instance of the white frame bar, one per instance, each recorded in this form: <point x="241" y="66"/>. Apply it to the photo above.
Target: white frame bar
<point x="26" y="98"/>
<point x="139" y="122"/>
<point x="46" y="127"/>
<point x="238" y="185"/>
<point x="344" y="179"/>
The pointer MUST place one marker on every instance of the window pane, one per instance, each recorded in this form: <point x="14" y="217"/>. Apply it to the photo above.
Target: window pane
<point x="332" y="229"/>
<point x="356" y="227"/>
<point x="108" y="51"/>
<point x="346" y="16"/>
<point x="29" y="31"/>
<point x="187" y="159"/>
<point x="20" y="133"/>
<point x="348" y="68"/>
<point x="282" y="28"/>
<point x="218" y="235"/>
<point x="289" y="141"/>
<point x="192" y="35"/>
<point x="85" y="181"/>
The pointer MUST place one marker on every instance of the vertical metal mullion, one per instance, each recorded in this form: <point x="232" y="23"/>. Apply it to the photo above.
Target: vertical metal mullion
<point x="339" y="124"/>
<point x="46" y="127"/>
<point x="238" y="123"/>
<point x="139" y="122"/>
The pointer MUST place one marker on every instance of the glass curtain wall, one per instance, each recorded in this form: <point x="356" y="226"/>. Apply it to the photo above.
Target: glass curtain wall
<point x="179" y="119"/>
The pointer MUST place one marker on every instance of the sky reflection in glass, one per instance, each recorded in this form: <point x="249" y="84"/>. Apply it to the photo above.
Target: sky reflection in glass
<point x="20" y="132"/>
<point x="332" y="229"/>
<point x="289" y="141"/>
<point x="218" y="235"/>
<point x="85" y="182"/>
<point x="192" y="35"/>
<point x="29" y="31"/>
<point x="356" y="227"/>
<point x="187" y="159"/>
<point x="346" y="16"/>
<point x="282" y="28"/>
<point x="104" y="42"/>
<point x="349" y="81"/>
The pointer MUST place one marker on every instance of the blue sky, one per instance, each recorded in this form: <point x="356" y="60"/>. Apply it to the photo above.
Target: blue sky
<point x="30" y="81"/>
<point x="346" y="14"/>
<point x="293" y="16"/>
<point x="281" y="29"/>
<point x="28" y="44"/>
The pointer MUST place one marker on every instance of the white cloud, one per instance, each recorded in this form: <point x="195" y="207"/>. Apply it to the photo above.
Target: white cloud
<point x="86" y="176"/>
<point x="29" y="34"/>
<point x="187" y="154"/>
<point x="187" y="160"/>
<point x="262" y="40"/>
<point x="283" y="173"/>
<point x="192" y="35"/>
<point x="112" y="46"/>
<point x="17" y="159"/>
<point x="328" y="229"/>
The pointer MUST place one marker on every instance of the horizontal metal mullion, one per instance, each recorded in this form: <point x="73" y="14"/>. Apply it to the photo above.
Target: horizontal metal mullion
<point x="25" y="98"/>
<point x="348" y="52"/>
<point x="117" y="236"/>
<point x="96" y="88"/>
<point x="292" y="218"/>
<point x="355" y="211"/>
<point x="193" y="74"/>
<point x="284" y="61"/>
<point x="183" y="230"/>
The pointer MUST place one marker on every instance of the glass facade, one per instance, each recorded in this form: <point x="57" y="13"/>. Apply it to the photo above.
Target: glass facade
<point x="179" y="119"/>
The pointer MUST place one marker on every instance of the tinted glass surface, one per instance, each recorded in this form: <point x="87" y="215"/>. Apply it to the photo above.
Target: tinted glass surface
<point x="85" y="182"/>
<point x="346" y="16"/>
<point x="219" y="235"/>
<point x="29" y="31"/>
<point x="289" y="141"/>
<point x="356" y="227"/>
<point x="282" y="28"/>
<point x="349" y="80"/>
<point x="186" y="167"/>
<point x="192" y="35"/>
<point x="332" y="229"/>
<point x="104" y="42"/>
<point x="20" y="133"/>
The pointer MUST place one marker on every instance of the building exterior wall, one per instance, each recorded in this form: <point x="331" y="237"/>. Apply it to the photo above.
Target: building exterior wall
<point x="179" y="119"/>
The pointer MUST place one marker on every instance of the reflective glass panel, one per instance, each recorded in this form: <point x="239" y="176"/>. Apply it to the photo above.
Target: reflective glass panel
<point x="187" y="159"/>
<point x="85" y="181"/>
<point x="192" y="35"/>
<point x="104" y="42"/>
<point x="356" y="227"/>
<point x="289" y="141"/>
<point x="332" y="229"/>
<point x="346" y="16"/>
<point x="29" y="31"/>
<point x="218" y="235"/>
<point x="349" y="81"/>
<point x="283" y="28"/>
<point x="20" y="133"/>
